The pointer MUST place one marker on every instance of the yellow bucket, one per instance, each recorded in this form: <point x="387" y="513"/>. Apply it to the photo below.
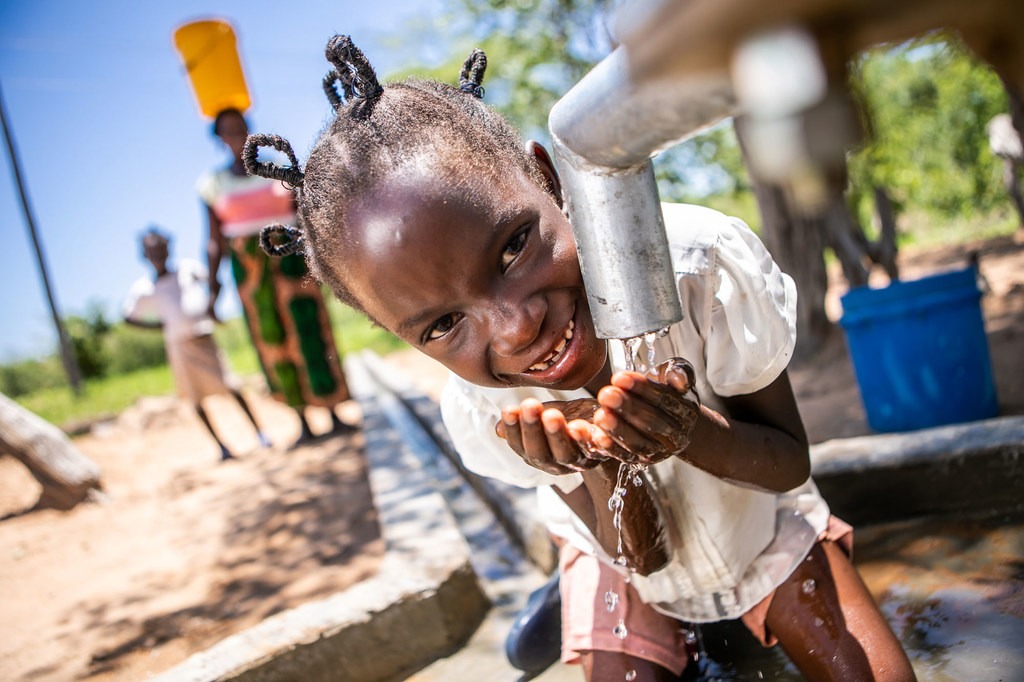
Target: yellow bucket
<point x="211" y="58"/>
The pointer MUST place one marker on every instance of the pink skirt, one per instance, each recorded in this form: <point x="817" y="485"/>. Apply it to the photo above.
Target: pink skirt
<point x="588" y="624"/>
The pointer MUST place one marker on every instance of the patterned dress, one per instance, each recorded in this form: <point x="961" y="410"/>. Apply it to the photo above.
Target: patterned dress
<point x="284" y="307"/>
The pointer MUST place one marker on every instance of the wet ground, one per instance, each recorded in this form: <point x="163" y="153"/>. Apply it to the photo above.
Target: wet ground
<point x="953" y="590"/>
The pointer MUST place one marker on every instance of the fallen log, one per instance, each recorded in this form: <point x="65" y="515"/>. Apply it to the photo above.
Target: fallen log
<point x="67" y="476"/>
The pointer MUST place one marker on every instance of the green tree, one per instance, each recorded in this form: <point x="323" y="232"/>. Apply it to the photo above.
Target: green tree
<point x="927" y="103"/>
<point x="88" y="333"/>
<point x="536" y="50"/>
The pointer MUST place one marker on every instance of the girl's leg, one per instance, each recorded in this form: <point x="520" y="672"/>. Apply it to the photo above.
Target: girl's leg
<point x="264" y="441"/>
<point x="611" y="666"/>
<point x="224" y="452"/>
<point x="338" y="426"/>
<point x="305" y="433"/>
<point x="829" y="625"/>
<point x="654" y="648"/>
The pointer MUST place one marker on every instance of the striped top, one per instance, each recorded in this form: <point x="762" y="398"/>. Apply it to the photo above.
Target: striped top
<point x="245" y="204"/>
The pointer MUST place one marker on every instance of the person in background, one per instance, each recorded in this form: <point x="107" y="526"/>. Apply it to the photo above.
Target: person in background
<point x="1004" y="141"/>
<point x="284" y="308"/>
<point x="176" y="302"/>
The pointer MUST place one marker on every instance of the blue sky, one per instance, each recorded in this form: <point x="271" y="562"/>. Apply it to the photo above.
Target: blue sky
<point x="110" y="138"/>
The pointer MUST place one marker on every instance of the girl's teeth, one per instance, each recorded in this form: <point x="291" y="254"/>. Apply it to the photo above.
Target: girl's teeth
<point x="549" y="360"/>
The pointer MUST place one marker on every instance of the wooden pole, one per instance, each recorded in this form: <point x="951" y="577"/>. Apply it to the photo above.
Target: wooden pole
<point x="66" y="352"/>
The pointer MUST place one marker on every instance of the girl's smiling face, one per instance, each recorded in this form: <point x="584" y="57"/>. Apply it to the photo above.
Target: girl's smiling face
<point x="480" y="273"/>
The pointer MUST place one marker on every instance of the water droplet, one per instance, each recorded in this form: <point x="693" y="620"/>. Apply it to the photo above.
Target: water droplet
<point x="690" y="636"/>
<point x="614" y="503"/>
<point x="637" y="480"/>
<point x="649" y="341"/>
<point x="620" y="630"/>
<point x="620" y="560"/>
<point x="819" y="622"/>
<point x="760" y="675"/>
<point x="611" y="600"/>
<point x="631" y="346"/>
<point x="808" y="586"/>
<point x="630" y="675"/>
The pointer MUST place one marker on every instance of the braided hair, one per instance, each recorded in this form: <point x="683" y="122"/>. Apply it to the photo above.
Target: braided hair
<point x="379" y="129"/>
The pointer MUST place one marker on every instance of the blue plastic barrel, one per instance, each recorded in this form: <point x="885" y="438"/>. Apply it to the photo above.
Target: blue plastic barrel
<point x="920" y="353"/>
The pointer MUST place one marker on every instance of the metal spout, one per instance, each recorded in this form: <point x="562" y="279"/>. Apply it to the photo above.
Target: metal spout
<point x="604" y="132"/>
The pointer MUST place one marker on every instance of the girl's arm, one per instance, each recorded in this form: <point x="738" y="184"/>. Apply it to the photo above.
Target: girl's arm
<point x="545" y="438"/>
<point x="761" y="445"/>
<point x="214" y="254"/>
<point x="641" y="534"/>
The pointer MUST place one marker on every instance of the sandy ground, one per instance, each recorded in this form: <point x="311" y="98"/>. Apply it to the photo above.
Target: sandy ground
<point x="185" y="550"/>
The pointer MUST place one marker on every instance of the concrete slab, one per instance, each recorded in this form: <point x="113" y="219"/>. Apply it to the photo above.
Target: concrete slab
<point x="424" y="602"/>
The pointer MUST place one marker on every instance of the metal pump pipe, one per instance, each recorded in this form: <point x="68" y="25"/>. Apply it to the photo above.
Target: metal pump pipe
<point x="604" y="132"/>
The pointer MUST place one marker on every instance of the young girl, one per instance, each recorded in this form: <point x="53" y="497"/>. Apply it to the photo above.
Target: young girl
<point x="174" y="300"/>
<point x="420" y="207"/>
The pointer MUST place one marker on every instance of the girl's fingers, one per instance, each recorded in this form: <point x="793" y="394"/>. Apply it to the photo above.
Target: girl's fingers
<point x="657" y="426"/>
<point x="535" y="441"/>
<point x="676" y="398"/>
<point x="537" y="445"/>
<point x="661" y="395"/>
<point x="563" y="447"/>
<point x="677" y="373"/>
<point x="596" y="445"/>
<point x="631" y="445"/>
<point x="508" y="428"/>
<point x="650" y="416"/>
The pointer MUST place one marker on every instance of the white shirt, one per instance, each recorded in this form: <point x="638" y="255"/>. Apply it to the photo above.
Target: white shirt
<point x="178" y="300"/>
<point x="730" y="546"/>
<point x="1003" y="138"/>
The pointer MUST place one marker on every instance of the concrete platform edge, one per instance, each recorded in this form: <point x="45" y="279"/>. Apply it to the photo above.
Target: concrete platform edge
<point x="423" y="604"/>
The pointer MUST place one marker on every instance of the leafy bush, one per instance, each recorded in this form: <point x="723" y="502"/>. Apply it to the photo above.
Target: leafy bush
<point x="130" y="348"/>
<point x="26" y="376"/>
<point x="87" y="335"/>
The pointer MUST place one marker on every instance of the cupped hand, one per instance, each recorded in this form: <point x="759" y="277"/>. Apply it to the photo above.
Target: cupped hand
<point x="648" y="417"/>
<point x="557" y="437"/>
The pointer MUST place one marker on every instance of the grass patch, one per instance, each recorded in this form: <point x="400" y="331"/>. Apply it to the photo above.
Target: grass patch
<point x="110" y="395"/>
<point x="921" y="230"/>
<point x="100" y="397"/>
<point x="353" y="332"/>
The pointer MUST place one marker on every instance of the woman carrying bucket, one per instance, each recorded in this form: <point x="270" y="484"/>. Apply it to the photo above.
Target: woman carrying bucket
<point x="283" y="306"/>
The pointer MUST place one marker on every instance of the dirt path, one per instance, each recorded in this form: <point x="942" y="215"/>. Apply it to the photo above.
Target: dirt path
<point x="187" y="550"/>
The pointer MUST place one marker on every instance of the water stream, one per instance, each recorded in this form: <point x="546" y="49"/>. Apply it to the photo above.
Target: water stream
<point x="640" y="357"/>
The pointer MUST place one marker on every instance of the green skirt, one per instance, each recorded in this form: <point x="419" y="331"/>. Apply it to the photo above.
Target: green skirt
<point x="285" y="312"/>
